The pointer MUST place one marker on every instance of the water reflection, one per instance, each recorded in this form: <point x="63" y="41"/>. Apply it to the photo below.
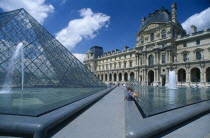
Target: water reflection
<point x="35" y="101"/>
<point x="159" y="99"/>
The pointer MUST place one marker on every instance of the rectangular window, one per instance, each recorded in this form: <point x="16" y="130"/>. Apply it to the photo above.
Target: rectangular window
<point x="184" y="57"/>
<point x="197" y="42"/>
<point x="124" y="64"/>
<point x="185" y="44"/>
<point x="130" y="55"/>
<point x="124" y="56"/>
<point x="198" y="55"/>
<point x="163" y="59"/>
<point x="130" y="64"/>
<point x="120" y="65"/>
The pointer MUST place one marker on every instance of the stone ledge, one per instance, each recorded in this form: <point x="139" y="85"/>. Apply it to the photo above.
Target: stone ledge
<point x="139" y="127"/>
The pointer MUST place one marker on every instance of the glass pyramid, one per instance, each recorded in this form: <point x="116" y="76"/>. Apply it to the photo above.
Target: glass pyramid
<point x="47" y="63"/>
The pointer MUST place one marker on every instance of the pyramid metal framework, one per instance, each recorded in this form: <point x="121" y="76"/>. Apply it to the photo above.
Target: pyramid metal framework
<point x="47" y="63"/>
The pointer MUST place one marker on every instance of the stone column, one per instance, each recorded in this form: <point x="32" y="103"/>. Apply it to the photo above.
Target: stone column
<point x="143" y="80"/>
<point x="129" y="76"/>
<point x="140" y="58"/>
<point x="167" y="57"/>
<point x="205" y="76"/>
<point x="144" y="59"/>
<point x="135" y="75"/>
<point x="202" y="77"/>
<point x="156" y="58"/>
<point x="167" y="72"/>
<point x="136" y="63"/>
<point x="188" y="78"/>
<point x="123" y="76"/>
<point x="146" y="77"/>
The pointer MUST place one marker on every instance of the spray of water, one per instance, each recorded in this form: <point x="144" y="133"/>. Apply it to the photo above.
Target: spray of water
<point x="10" y="70"/>
<point x="172" y="80"/>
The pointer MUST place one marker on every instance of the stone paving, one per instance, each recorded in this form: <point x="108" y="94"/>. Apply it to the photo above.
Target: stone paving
<point x="105" y="119"/>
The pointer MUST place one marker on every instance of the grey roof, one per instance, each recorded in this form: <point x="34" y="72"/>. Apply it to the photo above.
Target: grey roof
<point x="161" y="15"/>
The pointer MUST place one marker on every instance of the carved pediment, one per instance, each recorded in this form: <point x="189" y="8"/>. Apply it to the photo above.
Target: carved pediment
<point x="198" y="50"/>
<point x="185" y="52"/>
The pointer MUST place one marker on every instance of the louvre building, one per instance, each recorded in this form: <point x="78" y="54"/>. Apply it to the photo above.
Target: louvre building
<point x="161" y="45"/>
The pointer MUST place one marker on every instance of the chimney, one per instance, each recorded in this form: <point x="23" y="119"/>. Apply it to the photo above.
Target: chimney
<point x="173" y="12"/>
<point x="193" y="29"/>
<point x="116" y="50"/>
<point x="143" y="20"/>
<point x="126" y="48"/>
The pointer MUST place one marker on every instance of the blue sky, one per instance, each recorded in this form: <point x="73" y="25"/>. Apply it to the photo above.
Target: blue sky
<point x="80" y="24"/>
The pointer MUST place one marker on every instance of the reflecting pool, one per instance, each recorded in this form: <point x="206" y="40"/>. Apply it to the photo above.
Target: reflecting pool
<point x="36" y="101"/>
<point x="154" y="100"/>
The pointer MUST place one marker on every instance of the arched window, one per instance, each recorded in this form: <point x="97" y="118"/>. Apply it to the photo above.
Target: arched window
<point x="181" y="75"/>
<point x="195" y="75"/>
<point x="151" y="60"/>
<point x="110" y="77"/>
<point x="131" y="76"/>
<point x="120" y="76"/>
<point x="152" y="37"/>
<point x="208" y="74"/>
<point x="163" y="33"/>
<point x="102" y="77"/>
<point x="115" y="77"/>
<point x="142" y="39"/>
<point x="125" y="76"/>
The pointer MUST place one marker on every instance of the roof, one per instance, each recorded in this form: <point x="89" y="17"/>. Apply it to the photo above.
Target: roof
<point x="161" y="15"/>
<point x="98" y="47"/>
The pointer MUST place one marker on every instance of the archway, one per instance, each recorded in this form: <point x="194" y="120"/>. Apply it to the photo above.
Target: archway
<point x="126" y="76"/>
<point x="115" y="77"/>
<point x="102" y="77"/>
<point x="181" y="75"/>
<point x="131" y="76"/>
<point x="150" y="77"/>
<point x="208" y="74"/>
<point x="110" y="77"/>
<point x="105" y="77"/>
<point x="98" y="76"/>
<point x="195" y="75"/>
<point x="120" y="76"/>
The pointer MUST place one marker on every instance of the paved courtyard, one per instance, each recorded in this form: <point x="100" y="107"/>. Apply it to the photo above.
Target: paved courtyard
<point x="105" y="119"/>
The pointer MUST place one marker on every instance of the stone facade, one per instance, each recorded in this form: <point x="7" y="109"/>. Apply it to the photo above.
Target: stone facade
<point x="162" y="45"/>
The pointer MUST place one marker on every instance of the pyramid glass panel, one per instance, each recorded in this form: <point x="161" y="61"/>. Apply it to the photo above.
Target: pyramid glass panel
<point x="37" y="73"/>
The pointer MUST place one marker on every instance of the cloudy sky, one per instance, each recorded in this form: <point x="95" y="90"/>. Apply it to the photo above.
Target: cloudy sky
<point x="80" y="24"/>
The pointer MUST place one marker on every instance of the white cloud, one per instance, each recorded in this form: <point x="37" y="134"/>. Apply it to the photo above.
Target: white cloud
<point x="86" y="27"/>
<point x="200" y="20"/>
<point x="37" y="8"/>
<point x="81" y="57"/>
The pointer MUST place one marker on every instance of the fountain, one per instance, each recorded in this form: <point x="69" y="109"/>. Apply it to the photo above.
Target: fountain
<point x="10" y="70"/>
<point x="172" y="80"/>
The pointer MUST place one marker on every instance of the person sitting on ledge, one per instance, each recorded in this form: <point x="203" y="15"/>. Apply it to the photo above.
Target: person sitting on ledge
<point x="132" y="95"/>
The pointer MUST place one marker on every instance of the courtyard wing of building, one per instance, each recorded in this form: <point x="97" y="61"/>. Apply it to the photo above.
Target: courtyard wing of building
<point x="162" y="45"/>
